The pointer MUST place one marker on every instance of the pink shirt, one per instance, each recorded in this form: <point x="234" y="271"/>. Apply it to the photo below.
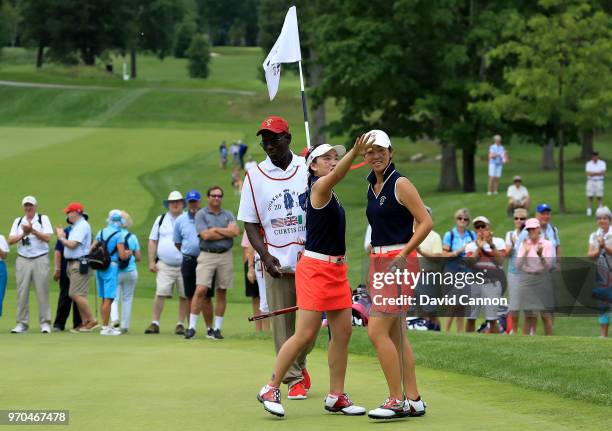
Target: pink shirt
<point x="530" y="261"/>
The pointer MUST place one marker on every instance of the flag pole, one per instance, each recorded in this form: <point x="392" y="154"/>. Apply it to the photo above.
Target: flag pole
<point x="304" y="108"/>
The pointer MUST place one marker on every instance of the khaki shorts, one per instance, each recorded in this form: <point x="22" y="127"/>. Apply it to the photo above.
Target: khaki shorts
<point x="221" y="263"/>
<point x="167" y="277"/>
<point x="79" y="283"/>
<point x="594" y="188"/>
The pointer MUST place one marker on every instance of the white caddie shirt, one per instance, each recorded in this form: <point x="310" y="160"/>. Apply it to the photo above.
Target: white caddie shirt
<point x="36" y="247"/>
<point x="273" y="198"/>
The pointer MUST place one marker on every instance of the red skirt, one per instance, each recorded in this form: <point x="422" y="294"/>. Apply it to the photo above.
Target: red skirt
<point x="322" y="286"/>
<point x="388" y="296"/>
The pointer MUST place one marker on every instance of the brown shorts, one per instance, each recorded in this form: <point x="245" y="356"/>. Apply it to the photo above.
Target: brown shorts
<point x="79" y="283"/>
<point x="221" y="263"/>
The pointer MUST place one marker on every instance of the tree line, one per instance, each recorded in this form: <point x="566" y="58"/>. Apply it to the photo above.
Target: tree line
<point x="459" y="71"/>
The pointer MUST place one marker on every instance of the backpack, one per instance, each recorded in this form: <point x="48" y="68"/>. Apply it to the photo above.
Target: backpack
<point x="99" y="258"/>
<point x="125" y="263"/>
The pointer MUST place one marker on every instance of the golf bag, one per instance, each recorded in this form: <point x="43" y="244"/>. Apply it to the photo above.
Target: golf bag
<point x="361" y="306"/>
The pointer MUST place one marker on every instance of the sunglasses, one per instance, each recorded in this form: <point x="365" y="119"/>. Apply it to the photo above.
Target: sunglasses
<point x="463" y="219"/>
<point x="215" y="196"/>
<point x="271" y="141"/>
<point x="520" y="218"/>
<point x="480" y="226"/>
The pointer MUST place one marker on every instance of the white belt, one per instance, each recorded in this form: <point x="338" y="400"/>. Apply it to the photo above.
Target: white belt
<point x="338" y="260"/>
<point x="387" y="248"/>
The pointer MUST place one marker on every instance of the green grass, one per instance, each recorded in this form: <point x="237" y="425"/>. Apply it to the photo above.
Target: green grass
<point x="136" y="381"/>
<point x="127" y="145"/>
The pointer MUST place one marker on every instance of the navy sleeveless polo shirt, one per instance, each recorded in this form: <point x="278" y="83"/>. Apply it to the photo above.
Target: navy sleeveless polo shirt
<point x="325" y="227"/>
<point x="390" y="220"/>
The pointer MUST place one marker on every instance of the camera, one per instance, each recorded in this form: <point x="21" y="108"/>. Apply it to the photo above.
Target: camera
<point x="25" y="241"/>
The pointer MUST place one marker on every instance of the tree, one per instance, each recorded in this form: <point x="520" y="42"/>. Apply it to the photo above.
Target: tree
<point x="150" y="25"/>
<point x="10" y="19"/>
<point x="228" y="20"/>
<point x="37" y="26"/>
<point x="199" y="56"/>
<point x="556" y="54"/>
<point x="410" y="67"/>
<point x="184" y="36"/>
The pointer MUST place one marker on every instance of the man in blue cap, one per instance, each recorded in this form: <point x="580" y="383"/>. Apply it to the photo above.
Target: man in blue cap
<point x="187" y="241"/>
<point x="547" y="229"/>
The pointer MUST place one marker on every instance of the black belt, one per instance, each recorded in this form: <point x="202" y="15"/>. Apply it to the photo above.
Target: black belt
<point x="75" y="259"/>
<point x="207" y="250"/>
<point x="188" y="256"/>
<point x="33" y="257"/>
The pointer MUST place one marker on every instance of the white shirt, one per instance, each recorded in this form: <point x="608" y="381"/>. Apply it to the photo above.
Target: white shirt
<point x="498" y="152"/>
<point x="164" y="235"/>
<point x="81" y="233"/>
<point x="594" y="238"/>
<point x="36" y="247"/>
<point x="3" y="246"/>
<point x="519" y="193"/>
<point x="249" y="165"/>
<point x="598" y="167"/>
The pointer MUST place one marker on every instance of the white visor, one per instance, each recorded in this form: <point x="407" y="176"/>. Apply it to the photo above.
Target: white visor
<point x="323" y="149"/>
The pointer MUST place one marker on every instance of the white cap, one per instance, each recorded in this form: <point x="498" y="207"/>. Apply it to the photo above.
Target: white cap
<point x="381" y="138"/>
<point x="482" y="219"/>
<point x="29" y="200"/>
<point x="115" y="216"/>
<point x="175" y="196"/>
<point x="319" y="150"/>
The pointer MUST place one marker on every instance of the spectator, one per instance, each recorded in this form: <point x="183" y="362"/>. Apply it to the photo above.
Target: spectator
<point x="595" y="171"/>
<point x="497" y="157"/>
<point x="485" y="254"/>
<point x="187" y="241"/>
<point x="520" y="216"/>
<point x="64" y="303"/>
<point x="237" y="179"/>
<point x="284" y="175"/>
<point x="547" y="229"/>
<point x="534" y="260"/>
<point x="250" y="282"/>
<point x="453" y="248"/>
<point x="600" y="249"/>
<point x="235" y="151"/>
<point x="4" y="250"/>
<point x="518" y="196"/>
<point x="76" y="247"/>
<point x="106" y="280"/>
<point x="250" y="163"/>
<point x="165" y="261"/>
<point x="128" y="277"/>
<point x="223" y="155"/>
<point x="242" y="150"/>
<point x="32" y="232"/>
<point x="217" y="229"/>
<point x="429" y="253"/>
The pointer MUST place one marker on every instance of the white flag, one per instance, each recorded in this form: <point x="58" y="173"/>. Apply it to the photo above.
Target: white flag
<point x="286" y="49"/>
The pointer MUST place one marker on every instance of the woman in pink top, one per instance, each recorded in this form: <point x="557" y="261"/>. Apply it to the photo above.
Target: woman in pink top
<point x="534" y="261"/>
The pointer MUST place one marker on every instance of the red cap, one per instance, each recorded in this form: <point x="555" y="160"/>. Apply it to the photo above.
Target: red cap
<point x="74" y="206"/>
<point x="274" y="124"/>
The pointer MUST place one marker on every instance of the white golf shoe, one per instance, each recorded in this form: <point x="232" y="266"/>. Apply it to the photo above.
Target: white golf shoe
<point x="342" y="404"/>
<point x="270" y="397"/>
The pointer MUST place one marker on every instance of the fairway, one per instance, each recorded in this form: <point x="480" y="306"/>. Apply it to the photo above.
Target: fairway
<point x="112" y="144"/>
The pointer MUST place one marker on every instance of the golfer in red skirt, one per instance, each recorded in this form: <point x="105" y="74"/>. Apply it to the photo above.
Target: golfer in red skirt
<point x="394" y="207"/>
<point x="321" y="280"/>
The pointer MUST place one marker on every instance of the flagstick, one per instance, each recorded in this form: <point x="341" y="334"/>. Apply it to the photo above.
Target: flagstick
<point x="304" y="105"/>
